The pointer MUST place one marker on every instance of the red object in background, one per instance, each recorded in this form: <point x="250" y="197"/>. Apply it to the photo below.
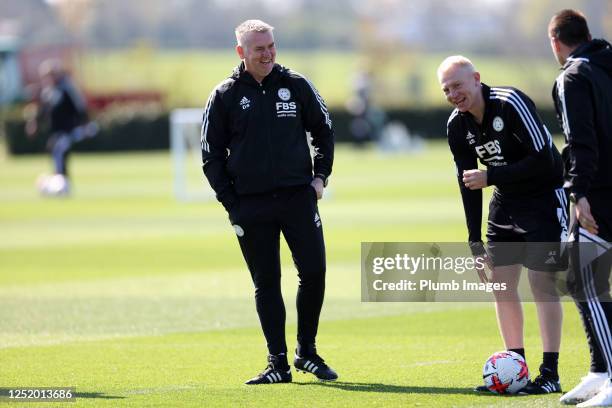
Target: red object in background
<point x="31" y="58"/>
<point x="100" y="101"/>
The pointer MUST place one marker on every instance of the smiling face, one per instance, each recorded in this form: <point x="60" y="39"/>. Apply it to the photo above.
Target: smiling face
<point x="461" y="86"/>
<point x="258" y="53"/>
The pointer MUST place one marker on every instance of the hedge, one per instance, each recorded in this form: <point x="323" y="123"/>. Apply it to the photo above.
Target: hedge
<point x="152" y="133"/>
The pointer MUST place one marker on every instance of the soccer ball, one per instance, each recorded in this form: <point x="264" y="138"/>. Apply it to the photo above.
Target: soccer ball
<point x="55" y="185"/>
<point x="505" y="372"/>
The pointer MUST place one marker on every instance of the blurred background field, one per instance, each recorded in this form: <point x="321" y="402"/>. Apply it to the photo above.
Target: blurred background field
<point x="137" y="61"/>
<point x="186" y="77"/>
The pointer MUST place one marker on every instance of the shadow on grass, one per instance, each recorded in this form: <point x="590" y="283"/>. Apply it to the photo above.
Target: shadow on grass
<point x="95" y="395"/>
<point x="397" y="389"/>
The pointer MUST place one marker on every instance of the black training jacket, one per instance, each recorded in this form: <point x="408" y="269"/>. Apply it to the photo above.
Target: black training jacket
<point x="254" y="135"/>
<point x="64" y="105"/>
<point x="583" y="100"/>
<point x="514" y="145"/>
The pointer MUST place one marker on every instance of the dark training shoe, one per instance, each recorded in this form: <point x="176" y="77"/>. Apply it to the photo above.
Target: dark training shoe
<point x="541" y="385"/>
<point x="316" y="365"/>
<point x="275" y="372"/>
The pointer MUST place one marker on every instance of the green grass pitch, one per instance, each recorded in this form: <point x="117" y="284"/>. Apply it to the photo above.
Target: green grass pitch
<point x="138" y="300"/>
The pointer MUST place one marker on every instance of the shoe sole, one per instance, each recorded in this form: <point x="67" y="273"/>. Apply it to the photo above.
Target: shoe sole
<point x="268" y="383"/>
<point x="572" y="401"/>
<point x="320" y="379"/>
<point x="575" y="401"/>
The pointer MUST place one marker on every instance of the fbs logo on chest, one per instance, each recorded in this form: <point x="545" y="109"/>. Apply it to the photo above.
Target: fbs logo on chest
<point x="491" y="153"/>
<point x="286" y="109"/>
<point x="491" y="147"/>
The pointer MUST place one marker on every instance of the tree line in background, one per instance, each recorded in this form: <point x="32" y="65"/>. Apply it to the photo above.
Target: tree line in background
<point x="494" y="27"/>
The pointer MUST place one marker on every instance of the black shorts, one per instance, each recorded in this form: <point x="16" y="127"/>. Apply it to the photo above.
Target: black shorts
<point x="530" y="231"/>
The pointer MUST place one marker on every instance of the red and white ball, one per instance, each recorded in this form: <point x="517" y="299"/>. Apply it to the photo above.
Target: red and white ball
<point x="505" y="372"/>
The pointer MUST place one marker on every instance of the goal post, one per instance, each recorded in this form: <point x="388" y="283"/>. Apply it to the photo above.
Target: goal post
<point x="185" y="147"/>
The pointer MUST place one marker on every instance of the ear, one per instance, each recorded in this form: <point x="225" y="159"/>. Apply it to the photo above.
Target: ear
<point x="240" y="51"/>
<point x="477" y="77"/>
<point x="556" y="44"/>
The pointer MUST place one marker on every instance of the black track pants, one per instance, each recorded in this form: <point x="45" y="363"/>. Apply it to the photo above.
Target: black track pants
<point x="258" y="221"/>
<point x="588" y="281"/>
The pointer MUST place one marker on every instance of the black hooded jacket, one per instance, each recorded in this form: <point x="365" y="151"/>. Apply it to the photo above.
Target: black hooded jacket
<point x="514" y="145"/>
<point x="254" y="135"/>
<point x="583" y="99"/>
<point x="63" y="105"/>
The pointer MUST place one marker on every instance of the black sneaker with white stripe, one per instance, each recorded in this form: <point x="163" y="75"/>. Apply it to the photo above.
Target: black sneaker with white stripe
<point x="541" y="385"/>
<point x="277" y="371"/>
<point x="314" y="364"/>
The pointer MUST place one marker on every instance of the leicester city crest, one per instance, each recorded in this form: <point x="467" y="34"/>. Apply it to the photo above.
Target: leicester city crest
<point x="284" y="94"/>
<point x="498" y="124"/>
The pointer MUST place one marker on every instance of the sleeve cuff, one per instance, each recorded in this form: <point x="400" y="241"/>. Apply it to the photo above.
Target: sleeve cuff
<point x="322" y="177"/>
<point x="491" y="176"/>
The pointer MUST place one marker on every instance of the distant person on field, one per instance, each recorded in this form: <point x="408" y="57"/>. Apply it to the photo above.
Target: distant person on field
<point x="583" y="98"/>
<point x="64" y="109"/>
<point x="359" y="106"/>
<point x="257" y="159"/>
<point x="500" y="128"/>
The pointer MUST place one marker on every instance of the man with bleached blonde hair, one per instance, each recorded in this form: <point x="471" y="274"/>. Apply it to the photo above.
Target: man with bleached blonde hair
<point x="499" y="127"/>
<point x="257" y="159"/>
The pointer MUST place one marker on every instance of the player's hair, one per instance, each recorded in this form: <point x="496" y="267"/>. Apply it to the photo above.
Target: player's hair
<point x="570" y="27"/>
<point x="250" y="26"/>
<point x="458" y="60"/>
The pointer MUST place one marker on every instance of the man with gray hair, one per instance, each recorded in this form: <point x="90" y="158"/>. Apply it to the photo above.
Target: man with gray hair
<point x="500" y="127"/>
<point x="257" y="158"/>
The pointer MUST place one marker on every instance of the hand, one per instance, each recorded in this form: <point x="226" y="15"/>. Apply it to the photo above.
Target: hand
<point x="317" y="184"/>
<point x="584" y="216"/>
<point x="475" y="179"/>
<point x="483" y="259"/>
